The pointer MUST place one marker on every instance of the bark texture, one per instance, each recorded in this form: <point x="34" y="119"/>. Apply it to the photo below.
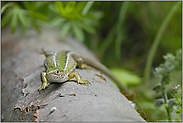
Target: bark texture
<point x="21" y="67"/>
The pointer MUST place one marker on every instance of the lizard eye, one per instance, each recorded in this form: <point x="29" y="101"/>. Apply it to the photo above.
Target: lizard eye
<point x="57" y="72"/>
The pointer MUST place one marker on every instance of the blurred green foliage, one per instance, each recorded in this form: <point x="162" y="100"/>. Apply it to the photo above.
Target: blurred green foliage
<point x="156" y="42"/>
<point x="119" y="33"/>
<point x="16" y="13"/>
<point x="71" y="17"/>
<point x="127" y="77"/>
<point x="172" y="105"/>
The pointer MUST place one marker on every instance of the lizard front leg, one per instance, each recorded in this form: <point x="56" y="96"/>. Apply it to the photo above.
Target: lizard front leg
<point x="78" y="78"/>
<point x="44" y="81"/>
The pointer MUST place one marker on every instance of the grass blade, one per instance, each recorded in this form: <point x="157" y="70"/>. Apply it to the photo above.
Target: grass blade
<point x="156" y="42"/>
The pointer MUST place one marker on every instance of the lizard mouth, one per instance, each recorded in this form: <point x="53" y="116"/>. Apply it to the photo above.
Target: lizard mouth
<point x="56" y="76"/>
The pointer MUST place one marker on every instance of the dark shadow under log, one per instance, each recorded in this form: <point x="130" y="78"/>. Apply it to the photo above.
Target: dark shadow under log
<point x="22" y="64"/>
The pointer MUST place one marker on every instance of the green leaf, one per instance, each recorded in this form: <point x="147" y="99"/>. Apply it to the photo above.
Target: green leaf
<point x="6" y="6"/>
<point x="6" y="18"/>
<point x="171" y="102"/>
<point x="70" y="6"/>
<point x="56" y="22"/>
<point x="65" y="29"/>
<point x="33" y="5"/>
<point x="159" y="102"/>
<point x="88" y="28"/>
<point x="14" y="21"/>
<point x="60" y="7"/>
<point x="23" y="29"/>
<point x="26" y="4"/>
<point x="87" y="7"/>
<point x="79" y="6"/>
<point x="126" y="77"/>
<point x="167" y="79"/>
<point x="30" y="5"/>
<point x="158" y="88"/>
<point x="53" y="8"/>
<point x="72" y="16"/>
<point x="37" y="15"/>
<point x="23" y="18"/>
<point x="93" y="15"/>
<point x="78" y="31"/>
<point x="36" y="26"/>
<point x="89" y="16"/>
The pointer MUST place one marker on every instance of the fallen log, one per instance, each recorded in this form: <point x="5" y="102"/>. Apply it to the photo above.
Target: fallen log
<point x="22" y="64"/>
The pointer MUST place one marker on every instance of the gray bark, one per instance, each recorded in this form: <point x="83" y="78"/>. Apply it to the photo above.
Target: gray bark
<point x="22" y="64"/>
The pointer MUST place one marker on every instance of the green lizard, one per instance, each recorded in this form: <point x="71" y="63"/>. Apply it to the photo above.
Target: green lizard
<point x="60" y="67"/>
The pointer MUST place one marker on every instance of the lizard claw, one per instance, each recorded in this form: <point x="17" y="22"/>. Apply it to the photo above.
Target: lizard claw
<point x="43" y="86"/>
<point x="84" y="82"/>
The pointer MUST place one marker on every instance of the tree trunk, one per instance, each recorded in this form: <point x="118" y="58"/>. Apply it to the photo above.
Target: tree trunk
<point x="22" y="64"/>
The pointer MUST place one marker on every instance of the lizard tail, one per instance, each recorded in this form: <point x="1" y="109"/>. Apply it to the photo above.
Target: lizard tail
<point x="97" y="65"/>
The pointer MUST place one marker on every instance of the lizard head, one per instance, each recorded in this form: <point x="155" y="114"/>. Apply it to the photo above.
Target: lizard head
<point x="56" y="75"/>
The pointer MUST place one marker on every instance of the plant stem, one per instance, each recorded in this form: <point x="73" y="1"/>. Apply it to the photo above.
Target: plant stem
<point x="119" y="29"/>
<point x="167" y="108"/>
<point x="107" y="41"/>
<point x="156" y="42"/>
<point x="166" y="102"/>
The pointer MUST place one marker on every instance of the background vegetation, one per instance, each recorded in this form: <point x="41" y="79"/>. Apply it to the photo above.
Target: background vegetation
<point x="130" y="38"/>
